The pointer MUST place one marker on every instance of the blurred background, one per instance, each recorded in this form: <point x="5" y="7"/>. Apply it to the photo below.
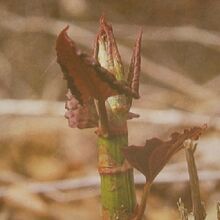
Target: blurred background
<point x="47" y="170"/>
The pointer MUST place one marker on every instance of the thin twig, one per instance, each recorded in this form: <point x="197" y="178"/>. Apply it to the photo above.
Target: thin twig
<point x="182" y="210"/>
<point x="198" y="208"/>
<point x="143" y="203"/>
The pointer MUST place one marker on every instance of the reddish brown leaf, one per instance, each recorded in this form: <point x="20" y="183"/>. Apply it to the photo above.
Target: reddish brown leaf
<point x="112" y="61"/>
<point x="151" y="158"/>
<point x="135" y="66"/>
<point x="85" y="77"/>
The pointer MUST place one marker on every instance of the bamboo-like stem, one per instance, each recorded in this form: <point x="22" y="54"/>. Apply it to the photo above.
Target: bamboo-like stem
<point x="143" y="203"/>
<point x="182" y="210"/>
<point x="117" y="182"/>
<point x="198" y="208"/>
<point x="218" y="210"/>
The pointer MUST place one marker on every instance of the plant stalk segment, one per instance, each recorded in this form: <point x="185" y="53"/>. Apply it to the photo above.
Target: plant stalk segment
<point x="117" y="182"/>
<point x="198" y="208"/>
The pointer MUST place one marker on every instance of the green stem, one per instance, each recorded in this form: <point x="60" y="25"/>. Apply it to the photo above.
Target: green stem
<point x="117" y="182"/>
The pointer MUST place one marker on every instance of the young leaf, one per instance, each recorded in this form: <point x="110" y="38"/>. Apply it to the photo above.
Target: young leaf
<point x="85" y="77"/>
<point x="80" y="116"/>
<point x="106" y="50"/>
<point x="135" y="65"/>
<point x="151" y="158"/>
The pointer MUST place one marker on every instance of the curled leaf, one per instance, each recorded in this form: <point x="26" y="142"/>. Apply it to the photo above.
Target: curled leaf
<point x="151" y="158"/>
<point x="107" y="54"/>
<point x="106" y="50"/>
<point x="135" y="65"/>
<point x="85" y="77"/>
<point x="80" y="116"/>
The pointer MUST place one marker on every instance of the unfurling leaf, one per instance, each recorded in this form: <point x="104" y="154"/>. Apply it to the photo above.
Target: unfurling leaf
<point x="80" y="116"/>
<point x="106" y="50"/>
<point x="151" y="158"/>
<point x="85" y="77"/>
<point x="135" y="66"/>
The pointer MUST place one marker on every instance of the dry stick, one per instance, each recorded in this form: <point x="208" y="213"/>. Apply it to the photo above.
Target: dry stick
<point x="183" y="211"/>
<point x="143" y="203"/>
<point x="218" y="210"/>
<point x="198" y="208"/>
